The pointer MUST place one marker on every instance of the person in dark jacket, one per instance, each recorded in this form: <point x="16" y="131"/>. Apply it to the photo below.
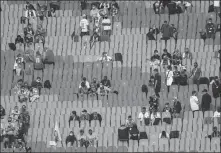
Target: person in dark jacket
<point x="38" y="64"/>
<point x="216" y="87"/>
<point x="95" y="116"/>
<point x="37" y="84"/>
<point x="173" y="32"/>
<point x="48" y="56"/>
<point x="176" y="107"/>
<point x="73" y="117"/>
<point x="19" y="40"/>
<point x="157" y="82"/>
<point x="165" y="29"/>
<point x="153" y="32"/>
<point x="210" y="29"/>
<point x="206" y="101"/>
<point x="2" y="111"/>
<point x="71" y="139"/>
<point x="106" y="82"/>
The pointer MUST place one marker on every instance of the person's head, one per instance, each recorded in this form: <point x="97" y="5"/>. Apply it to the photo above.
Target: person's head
<point x="26" y="84"/>
<point x="93" y="7"/>
<point x="155" y="52"/>
<point x="22" y="88"/>
<point x="74" y="113"/>
<point x="195" y="64"/>
<point x="71" y="133"/>
<point x="101" y="85"/>
<point x="169" y="67"/>
<point x="81" y="132"/>
<point x="155" y="71"/>
<point x="154" y="26"/>
<point x="94" y="80"/>
<point x="175" y="99"/>
<point x="20" y="81"/>
<point x="84" y="79"/>
<point x="152" y="78"/>
<point x="84" y="16"/>
<point x="210" y="20"/>
<point x="165" y="50"/>
<point x="214" y="129"/>
<point x="27" y="2"/>
<point x="29" y="25"/>
<point x="216" y="78"/>
<point x="129" y="118"/>
<point x="84" y="112"/>
<point x="90" y="131"/>
<point x="95" y="114"/>
<point x="104" y="54"/>
<point x="194" y="93"/>
<point x="38" y="79"/>
<point x="16" y="108"/>
<point x="175" y="67"/>
<point x="18" y="60"/>
<point x="18" y="36"/>
<point x="151" y="29"/>
<point x="9" y="120"/>
<point x="24" y="108"/>
<point x="165" y="22"/>
<point x="186" y="50"/>
<point x="143" y="110"/>
<point x="204" y="91"/>
<point x="105" y="77"/>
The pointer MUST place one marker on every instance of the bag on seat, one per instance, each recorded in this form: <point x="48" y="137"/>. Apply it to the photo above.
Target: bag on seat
<point x="174" y="134"/>
<point x="118" y="57"/>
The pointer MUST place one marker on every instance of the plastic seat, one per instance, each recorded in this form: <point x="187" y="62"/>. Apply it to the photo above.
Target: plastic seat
<point x="122" y="149"/>
<point x="91" y="149"/>
<point x="215" y="144"/>
<point x="101" y="149"/>
<point x="111" y="149"/>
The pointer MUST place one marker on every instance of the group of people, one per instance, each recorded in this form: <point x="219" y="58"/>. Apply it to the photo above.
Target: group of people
<point x="14" y="131"/>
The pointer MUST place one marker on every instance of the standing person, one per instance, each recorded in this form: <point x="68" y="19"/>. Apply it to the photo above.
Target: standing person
<point x="216" y="87"/>
<point x="157" y="82"/>
<point x="196" y="74"/>
<point x="169" y="77"/>
<point x="166" y="58"/>
<point x="194" y="102"/>
<point x="155" y="61"/>
<point x="210" y="29"/>
<point x="84" y="26"/>
<point x="176" y="107"/>
<point x="206" y="101"/>
<point x="165" y="29"/>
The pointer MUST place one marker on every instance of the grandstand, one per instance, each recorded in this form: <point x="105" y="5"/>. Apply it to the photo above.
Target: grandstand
<point x="76" y="59"/>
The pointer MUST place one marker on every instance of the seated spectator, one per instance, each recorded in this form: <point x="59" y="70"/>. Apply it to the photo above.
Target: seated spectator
<point x="106" y="82"/>
<point x="165" y="30"/>
<point x="34" y="95"/>
<point x="130" y="122"/>
<point x="183" y="77"/>
<point x="215" y="133"/>
<point x="73" y="117"/>
<point x="167" y="108"/>
<point x="85" y="115"/>
<point x="26" y="85"/>
<point x="48" y="56"/>
<point x="155" y="117"/>
<point x="51" y="13"/>
<point x="177" y="58"/>
<point x="95" y="116"/>
<point x="134" y="132"/>
<point x="92" y="138"/>
<point x="173" y="32"/>
<point x="24" y="110"/>
<point x="176" y="107"/>
<point x="93" y="87"/>
<point x="29" y="30"/>
<point x="29" y="40"/>
<point x="176" y="75"/>
<point x="194" y="102"/>
<point x="30" y="13"/>
<point x="96" y="35"/>
<point x="19" y="144"/>
<point x="82" y="139"/>
<point x="29" y="6"/>
<point x="70" y="139"/>
<point x="24" y="118"/>
<point x="166" y="115"/>
<point x="154" y="103"/>
<point x="103" y="90"/>
<point x="20" y="137"/>
<point x="166" y="59"/>
<point x="18" y="65"/>
<point x="94" y="12"/>
<point x="84" y="26"/>
<point x="106" y="24"/>
<point x="153" y="32"/>
<point x="114" y="9"/>
<point x="15" y="114"/>
<point x="17" y="86"/>
<point x="203" y="35"/>
<point x="83" y="89"/>
<point x="2" y="112"/>
<point x="210" y="29"/>
<point x="37" y="84"/>
<point x="187" y="54"/>
<point x="104" y="8"/>
<point x="38" y="64"/>
<point x="19" y="40"/>
<point x="164" y="134"/>
<point x="155" y="61"/>
<point x="157" y="7"/>
<point x="9" y="138"/>
<point x="144" y="116"/>
<point x="29" y="56"/>
<point x="23" y="95"/>
<point x="216" y="87"/>
<point x="151" y="82"/>
<point x="217" y="112"/>
<point x="86" y="83"/>
<point x="105" y="57"/>
<point x="123" y="133"/>
<point x="40" y="35"/>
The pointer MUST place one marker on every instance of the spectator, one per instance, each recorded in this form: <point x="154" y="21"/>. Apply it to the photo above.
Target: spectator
<point x="15" y="114"/>
<point x="187" y="54"/>
<point x="206" y="101"/>
<point x="26" y="85"/>
<point x="210" y="29"/>
<point x="151" y="82"/>
<point x="165" y="29"/>
<point x="24" y="118"/>
<point x="51" y="12"/>
<point x="29" y="30"/>
<point x="73" y="117"/>
<point x="105" y="57"/>
<point x="103" y="90"/>
<point x="188" y="6"/>
<point x="104" y="8"/>
<point x="166" y="58"/>
<point x="40" y="35"/>
<point x="94" y="12"/>
<point x="169" y="77"/>
<point x="92" y="138"/>
<point x="83" y="89"/>
<point x="183" y="77"/>
<point x="2" y="112"/>
<point x="216" y="5"/>
<point x="95" y="116"/>
<point x="86" y="83"/>
<point x="134" y="132"/>
<point x="9" y="136"/>
<point x="106" y="24"/>
<point x="37" y="84"/>
<point x="70" y="139"/>
<point x="196" y="74"/>
<point x="95" y="36"/>
<point x="176" y="107"/>
<point x="155" y="117"/>
<point x="18" y="69"/>
<point x="114" y="9"/>
<point x="29" y="56"/>
<point x="194" y="102"/>
<point x="94" y="87"/>
<point x="216" y="87"/>
<point x="144" y="116"/>
<point x="23" y="95"/>
<point x="203" y="35"/>
<point x="176" y="76"/>
<point x="19" y="40"/>
<point x="173" y="32"/>
<point x="29" y="40"/>
<point x="48" y="56"/>
<point x="215" y="133"/>
<point x="106" y="82"/>
<point x="130" y="122"/>
<point x="17" y="86"/>
<point x="20" y="137"/>
<point x="153" y="32"/>
<point x="85" y="115"/>
<point x="157" y="7"/>
<point x="167" y="108"/>
<point x="217" y="112"/>
<point x="154" y="103"/>
<point x="164" y="134"/>
<point x="84" y="26"/>
<point x="177" y="58"/>
<point x="30" y="14"/>
<point x="34" y="95"/>
<point x="82" y="139"/>
<point x="29" y="6"/>
<point x="157" y="82"/>
<point x="123" y="133"/>
<point x="38" y="64"/>
<point x="155" y="61"/>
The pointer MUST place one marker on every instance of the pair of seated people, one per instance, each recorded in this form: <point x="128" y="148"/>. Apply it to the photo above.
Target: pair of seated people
<point x="85" y="116"/>
<point x="125" y="133"/>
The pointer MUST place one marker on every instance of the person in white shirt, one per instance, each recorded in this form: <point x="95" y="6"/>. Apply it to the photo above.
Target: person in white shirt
<point x="84" y="26"/>
<point x="217" y="112"/>
<point x="86" y="83"/>
<point x="92" y="138"/>
<point x="106" y="24"/>
<point x="169" y="77"/>
<point x="194" y="102"/>
<point x="155" y="115"/>
<point x="105" y="57"/>
<point x="143" y="114"/>
<point x="216" y="5"/>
